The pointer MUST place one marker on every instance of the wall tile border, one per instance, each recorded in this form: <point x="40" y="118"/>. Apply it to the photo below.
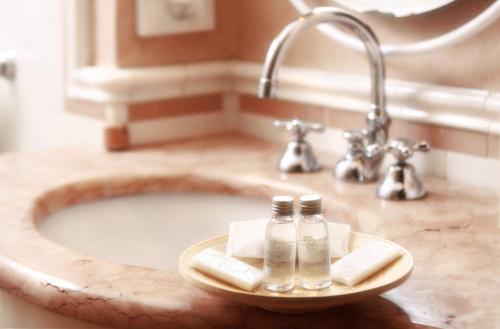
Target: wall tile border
<point x="161" y="109"/>
<point x="117" y="138"/>
<point x="448" y="138"/>
<point x="457" y="119"/>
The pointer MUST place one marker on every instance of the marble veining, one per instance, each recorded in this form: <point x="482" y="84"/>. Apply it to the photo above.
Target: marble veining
<point x="453" y="236"/>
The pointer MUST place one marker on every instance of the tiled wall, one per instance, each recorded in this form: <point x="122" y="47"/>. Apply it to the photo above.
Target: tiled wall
<point x="243" y="32"/>
<point x="134" y="51"/>
<point x="457" y="155"/>
<point x="245" y="27"/>
<point x="157" y="121"/>
<point x="473" y="63"/>
<point x="446" y="138"/>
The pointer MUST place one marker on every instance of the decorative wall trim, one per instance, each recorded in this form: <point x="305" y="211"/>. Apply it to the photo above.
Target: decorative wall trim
<point x="123" y="86"/>
<point x="116" y="138"/>
<point x="106" y="31"/>
<point x="462" y="108"/>
<point x="157" y="121"/>
<point x="135" y="105"/>
<point x="445" y="138"/>
<point x="168" y="108"/>
<point x="79" y="34"/>
<point x="468" y="109"/>
<point x="86" y="109"/>
<point x="175" y="128"/>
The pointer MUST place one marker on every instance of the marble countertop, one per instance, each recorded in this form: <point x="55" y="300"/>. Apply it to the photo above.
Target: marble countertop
<point x="452" y="234"/>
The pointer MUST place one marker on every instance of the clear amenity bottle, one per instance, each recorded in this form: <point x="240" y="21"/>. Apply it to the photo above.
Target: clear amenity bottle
<point x="313" y="245"/>
<point x="280" y="246"/>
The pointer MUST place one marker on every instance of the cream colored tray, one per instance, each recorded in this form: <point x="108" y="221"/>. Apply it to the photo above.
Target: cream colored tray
<point x="298" y="300"/>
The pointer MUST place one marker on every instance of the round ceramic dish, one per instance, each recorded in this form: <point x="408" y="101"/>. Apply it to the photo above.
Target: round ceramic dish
<point x="298" y="300"/>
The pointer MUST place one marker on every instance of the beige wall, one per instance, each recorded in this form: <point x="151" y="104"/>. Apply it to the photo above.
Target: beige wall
<point x="246" y="27"/>
<point x="133" y="50"/>
<point x="474" y="63"/>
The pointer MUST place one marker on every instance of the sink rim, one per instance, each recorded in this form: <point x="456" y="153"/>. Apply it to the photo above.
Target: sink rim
<point x="154" y="227"/>
<point x="88" y="190"/>
<point x="57" y="272"/>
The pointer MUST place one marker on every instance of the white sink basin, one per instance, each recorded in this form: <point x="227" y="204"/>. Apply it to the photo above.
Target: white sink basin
<point x="150" y="229"/>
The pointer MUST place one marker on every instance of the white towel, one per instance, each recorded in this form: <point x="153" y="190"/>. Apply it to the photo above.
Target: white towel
<point x="246" y="238"/>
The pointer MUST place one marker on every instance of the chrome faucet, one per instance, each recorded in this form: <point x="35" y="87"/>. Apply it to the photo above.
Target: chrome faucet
<point x="362" y="161"/>
<point x="366" y="147"/>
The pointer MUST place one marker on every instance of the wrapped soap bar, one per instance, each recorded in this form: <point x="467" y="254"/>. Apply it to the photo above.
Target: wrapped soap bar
<point x="364" y="261"/>
<point x="227" y="269"/>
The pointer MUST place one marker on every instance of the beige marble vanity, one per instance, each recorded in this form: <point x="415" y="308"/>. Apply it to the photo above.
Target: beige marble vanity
<point x="452" y="234"/>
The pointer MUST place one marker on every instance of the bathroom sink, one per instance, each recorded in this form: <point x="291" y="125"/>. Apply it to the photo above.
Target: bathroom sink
<point x="148" y="229"/>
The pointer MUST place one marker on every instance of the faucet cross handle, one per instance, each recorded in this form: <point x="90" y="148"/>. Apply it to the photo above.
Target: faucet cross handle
<point x="298" y="128"/>
<point x="355" y="139"/>
<point x="298" y="156"/>
<point x="403" y="149"/>
<point x="401" y="181"/>
<point x="354" y="136"/>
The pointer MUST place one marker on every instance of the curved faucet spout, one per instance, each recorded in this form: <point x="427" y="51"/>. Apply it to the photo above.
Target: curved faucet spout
<point x="378" y="118"/>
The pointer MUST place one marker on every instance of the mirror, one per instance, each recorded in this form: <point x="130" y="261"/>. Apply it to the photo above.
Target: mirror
<point x="468" y="29"/>
<point x="398" y="8"/>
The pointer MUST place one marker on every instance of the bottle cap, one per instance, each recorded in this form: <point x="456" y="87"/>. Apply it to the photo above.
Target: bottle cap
<point x="282" y="205"/>
<point x="310" y="204"/>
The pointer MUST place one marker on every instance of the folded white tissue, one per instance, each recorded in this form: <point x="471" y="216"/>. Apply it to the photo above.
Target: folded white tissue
<point x="246" y="239"/>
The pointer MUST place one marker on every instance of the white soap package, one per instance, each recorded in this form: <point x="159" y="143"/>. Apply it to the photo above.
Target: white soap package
<point x="364" y="261"/>
<point x="228" y="269"/>
<point x="246" y="238"/>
